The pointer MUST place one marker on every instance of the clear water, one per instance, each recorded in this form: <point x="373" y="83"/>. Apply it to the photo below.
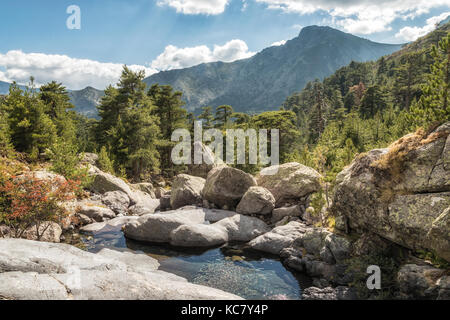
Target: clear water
<point x="231" y="268"/>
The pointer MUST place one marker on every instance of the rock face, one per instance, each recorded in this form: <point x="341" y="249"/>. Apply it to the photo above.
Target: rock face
<point x="257" y="200"/>
<point x="423" y="282"/>
<point x="405" y="200"/>
<point x="225" y="186"/>
<point x="291" y="181"/>
<point x="187" y="227"/>
<point x="186" y="190"/>
<point x="41" y="271"/>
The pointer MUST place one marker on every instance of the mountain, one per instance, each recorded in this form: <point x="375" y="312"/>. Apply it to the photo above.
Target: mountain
<point x="85" y="100"/>
<point x="4" y="87"/>
<point x="263" y="81"/>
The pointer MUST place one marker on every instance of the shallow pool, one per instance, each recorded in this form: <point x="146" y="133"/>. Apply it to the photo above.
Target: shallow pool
<point x="231" y="268"/>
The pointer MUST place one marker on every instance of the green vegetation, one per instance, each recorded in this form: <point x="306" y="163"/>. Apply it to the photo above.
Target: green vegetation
<point x="361" y="107"/>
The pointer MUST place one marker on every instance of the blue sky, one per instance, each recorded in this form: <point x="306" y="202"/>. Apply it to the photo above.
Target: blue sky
<point x="167" y="34"/>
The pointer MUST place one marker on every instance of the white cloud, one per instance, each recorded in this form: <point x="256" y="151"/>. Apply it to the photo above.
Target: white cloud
<point x="177" y="58"/>
<point x="210" y="7"/>
<point x="359" y="16"/>
<point x="278" y="43"/>
<point x="74" y="73"/>
<point x="413" y="33"/>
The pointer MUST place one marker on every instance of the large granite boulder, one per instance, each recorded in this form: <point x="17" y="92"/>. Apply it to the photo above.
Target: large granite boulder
<point x="117" y="201"/>
<point x="41" y="271"/>
<point x="199" y="235"/>
<point x="225" y="186"/>
<point x="186" y="190"/>
<point x="158" y="227"/>
<point x="290" y="181"/>
<point x="401" y="193"/>
<point x="257" y="200"/>
<point x="279" y="238"/>
<point x="104" y="182"/>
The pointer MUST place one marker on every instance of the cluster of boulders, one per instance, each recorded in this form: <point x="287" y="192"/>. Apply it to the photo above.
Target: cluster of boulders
<point x="229" y="205"/>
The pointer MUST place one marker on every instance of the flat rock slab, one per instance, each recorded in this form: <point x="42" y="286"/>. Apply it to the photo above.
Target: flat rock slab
<point x="43" y="271"/>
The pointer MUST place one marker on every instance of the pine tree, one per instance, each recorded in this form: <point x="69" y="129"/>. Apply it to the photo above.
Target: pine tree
<point x="408" y="77"/>
<point x="223" y="116"/>
<point x="207" y="117"/>
<point x="372" y="102"/>
<point x="169" y="109"/>
<point x="128" y="126"/>
<point x="104" y="162"/>
<point x="57" y="102"/>
<point x="434" y="106"/>
<point x="32" y="130"/>
<point x="5" y="137"/>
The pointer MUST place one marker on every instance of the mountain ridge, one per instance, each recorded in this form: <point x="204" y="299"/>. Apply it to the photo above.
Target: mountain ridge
<point x="262" y="82"/>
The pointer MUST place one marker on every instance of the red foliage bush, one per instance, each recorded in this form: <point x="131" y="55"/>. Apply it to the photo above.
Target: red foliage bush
<point x="26" y="201"/>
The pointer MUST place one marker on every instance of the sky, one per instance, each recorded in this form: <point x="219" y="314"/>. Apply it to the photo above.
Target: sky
<point x="86" y="42"/>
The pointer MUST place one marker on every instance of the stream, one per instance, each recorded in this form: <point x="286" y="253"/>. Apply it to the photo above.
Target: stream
<point x="249" y="274"/>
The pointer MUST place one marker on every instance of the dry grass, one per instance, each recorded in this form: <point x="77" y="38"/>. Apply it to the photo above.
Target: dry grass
<point x="393" y="162"/>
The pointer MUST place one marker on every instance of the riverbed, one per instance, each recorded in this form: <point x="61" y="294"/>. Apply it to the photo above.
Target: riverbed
<point x="231" y="268"/>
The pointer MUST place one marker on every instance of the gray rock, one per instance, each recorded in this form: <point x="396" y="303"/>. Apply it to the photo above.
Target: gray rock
<point x="160" y="192"/>
<point x="291" y="181"/>
<point x="242" y="228"/>
<point x="329" y="293"/>
<point x="423" y="282"/>
<point x="114" y="223"/>
<point x="104" y="182"/>
<point x="158" y="227"/>
<point x="48" y="232"/>
<point x="186" y="190"/>
<point x="257" y="200"/>
<point x="413" y="210"/>
<point x="279" y="238"/>
<point x="145" y="187"/>
<point x="199" y="235"/>
<point x="339" y="246"/>
<point x="117" y="201"/>
<point x="280" y="213"/>
<point x="41" y="271"/>
<point x="96" y="212"/>
<point x="225" y="186"/>
<point x="89" y="158"/>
